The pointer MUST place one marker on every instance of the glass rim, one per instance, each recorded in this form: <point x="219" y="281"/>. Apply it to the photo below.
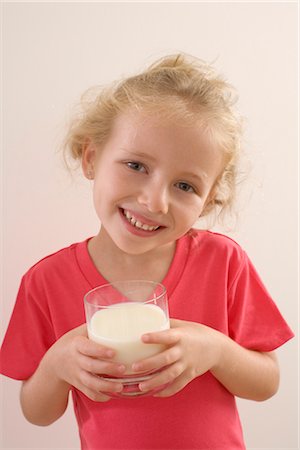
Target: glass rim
<point x="113" y="283"/>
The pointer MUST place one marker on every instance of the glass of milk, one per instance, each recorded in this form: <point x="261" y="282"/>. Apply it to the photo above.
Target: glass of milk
<point x="118" y="314"/>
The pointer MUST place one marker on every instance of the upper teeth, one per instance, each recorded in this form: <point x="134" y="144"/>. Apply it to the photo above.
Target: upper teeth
<point x="137" y="223"/>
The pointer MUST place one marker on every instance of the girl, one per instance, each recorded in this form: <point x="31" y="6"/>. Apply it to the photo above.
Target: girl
<point x="162" y="150"/>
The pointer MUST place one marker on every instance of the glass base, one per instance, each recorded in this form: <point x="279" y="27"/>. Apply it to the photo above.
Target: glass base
<point x="131" y="386"/>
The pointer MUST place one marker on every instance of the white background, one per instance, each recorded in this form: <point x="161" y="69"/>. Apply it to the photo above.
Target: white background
<point x="52" y="52"/>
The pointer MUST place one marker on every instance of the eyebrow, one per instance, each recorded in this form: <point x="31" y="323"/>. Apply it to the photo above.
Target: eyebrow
<point x="139" y="154"/>
<point x="197" y="177"/>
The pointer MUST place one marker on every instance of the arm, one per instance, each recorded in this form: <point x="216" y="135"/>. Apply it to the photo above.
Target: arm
<point x="193" y="349"/>
<point x="44" y="397"/>
<point x="247" y="373"/>
<point x="72" y="361"/>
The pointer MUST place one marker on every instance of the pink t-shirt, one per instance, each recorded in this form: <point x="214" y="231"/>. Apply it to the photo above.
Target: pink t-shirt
<point x="211" y="281"/>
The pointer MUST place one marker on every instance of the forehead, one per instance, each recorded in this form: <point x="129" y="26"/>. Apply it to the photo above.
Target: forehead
<point x="144" y="127"/>
<point x="160" y="136"/>
<point x="135" y="127"/>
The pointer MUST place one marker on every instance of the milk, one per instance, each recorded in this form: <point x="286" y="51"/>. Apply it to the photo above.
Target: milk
<point x="121" y="326"/>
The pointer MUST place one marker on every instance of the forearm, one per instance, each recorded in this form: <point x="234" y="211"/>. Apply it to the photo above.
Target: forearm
<point x="44" y="397"/>
<point x="246" y="373"/>
<point x="73" y="360"/>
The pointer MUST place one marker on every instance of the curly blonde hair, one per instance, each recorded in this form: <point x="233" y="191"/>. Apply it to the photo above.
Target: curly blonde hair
<point x="174" y="87"/>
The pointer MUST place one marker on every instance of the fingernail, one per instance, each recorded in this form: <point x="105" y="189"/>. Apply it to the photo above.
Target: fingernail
<point x="110" y="353"/>
<point x="121" y="368"/>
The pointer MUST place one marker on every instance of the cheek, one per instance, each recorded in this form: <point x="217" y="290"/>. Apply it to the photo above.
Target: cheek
<point x="111" y="187"/>
<point x="189" y="211"/>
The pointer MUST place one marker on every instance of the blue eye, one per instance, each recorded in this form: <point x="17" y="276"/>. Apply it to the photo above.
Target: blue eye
<point x="138" y="167"/>
<point x="185" y="187"/>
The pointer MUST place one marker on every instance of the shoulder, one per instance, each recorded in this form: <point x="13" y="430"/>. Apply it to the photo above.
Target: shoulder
<point x="55" y="264"/>
<point x="213" y="239"/>
<point x="215" y="247"/>
<point x="214" y="257"/>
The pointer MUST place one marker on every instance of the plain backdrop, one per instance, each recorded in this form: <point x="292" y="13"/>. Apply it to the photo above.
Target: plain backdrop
<point x="52" y="52"/>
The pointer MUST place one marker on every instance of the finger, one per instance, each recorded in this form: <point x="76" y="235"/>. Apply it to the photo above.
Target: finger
<point x="95" y="396"/>
<point x="90" y="348"/>
<point x="175" y="387"/>
<point x="109" y="386"/>
<point x="96" y="366"/>
<point x="166" y="376"/>
<point x="158" y="361"/>
<point x="98" y="385"/>
<point x="166" y="337"/>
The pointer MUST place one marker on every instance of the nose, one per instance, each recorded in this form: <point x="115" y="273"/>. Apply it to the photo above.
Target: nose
<point x="154" y="196"/>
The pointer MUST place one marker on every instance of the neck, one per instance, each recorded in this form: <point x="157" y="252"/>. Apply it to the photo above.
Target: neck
<point x="114" y="264"/>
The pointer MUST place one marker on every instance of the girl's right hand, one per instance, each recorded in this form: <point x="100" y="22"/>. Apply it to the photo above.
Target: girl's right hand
<point x="77" y="360"/>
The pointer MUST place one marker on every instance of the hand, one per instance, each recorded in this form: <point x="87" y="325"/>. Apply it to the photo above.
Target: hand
<point x="192" y="350"/>
<point x="77" y="360"/>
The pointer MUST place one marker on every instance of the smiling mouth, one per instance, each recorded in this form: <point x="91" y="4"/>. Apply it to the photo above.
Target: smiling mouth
<point x="137" y="223"/>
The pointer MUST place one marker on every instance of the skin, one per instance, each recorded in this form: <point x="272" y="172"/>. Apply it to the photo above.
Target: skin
<point x="163" y="174"/>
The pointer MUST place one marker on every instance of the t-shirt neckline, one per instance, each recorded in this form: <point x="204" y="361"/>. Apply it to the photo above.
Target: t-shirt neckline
<point x="170" y="281"/>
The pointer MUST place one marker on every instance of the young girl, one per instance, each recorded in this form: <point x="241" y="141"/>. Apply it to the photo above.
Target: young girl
<point x="162" y="150"/>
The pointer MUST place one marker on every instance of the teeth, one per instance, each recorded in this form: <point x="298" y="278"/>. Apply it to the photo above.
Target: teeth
<point x="137" y="223"/>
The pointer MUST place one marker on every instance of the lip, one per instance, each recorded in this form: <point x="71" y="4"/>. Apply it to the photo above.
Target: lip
<point x="138" y="231"/>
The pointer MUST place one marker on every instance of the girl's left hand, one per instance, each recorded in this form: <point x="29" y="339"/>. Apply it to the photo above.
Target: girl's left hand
<point x="192" y="349"/>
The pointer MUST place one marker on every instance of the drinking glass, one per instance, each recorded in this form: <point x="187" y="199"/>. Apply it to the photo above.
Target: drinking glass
<point x="117" y="315"/>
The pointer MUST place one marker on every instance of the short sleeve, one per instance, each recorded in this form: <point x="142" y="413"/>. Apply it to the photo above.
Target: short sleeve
<point x="29" y="334"/>
<point x="254" y="320"/>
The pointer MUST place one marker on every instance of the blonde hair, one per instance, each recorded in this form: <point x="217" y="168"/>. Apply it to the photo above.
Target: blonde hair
<point x="174" y="87"/>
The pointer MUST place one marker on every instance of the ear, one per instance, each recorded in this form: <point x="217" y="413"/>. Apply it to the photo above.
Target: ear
<point x="89" y="153"/>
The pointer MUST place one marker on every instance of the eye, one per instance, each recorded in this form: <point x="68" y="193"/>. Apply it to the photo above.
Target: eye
<point x="185" y="186"/>
<point x="134" y="165"/>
